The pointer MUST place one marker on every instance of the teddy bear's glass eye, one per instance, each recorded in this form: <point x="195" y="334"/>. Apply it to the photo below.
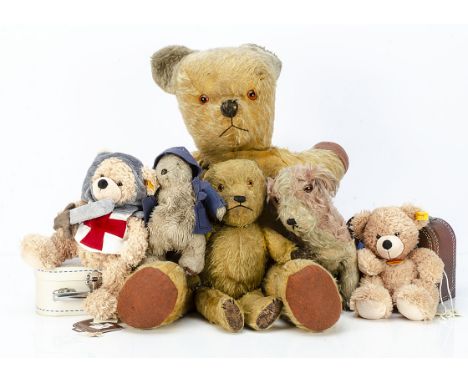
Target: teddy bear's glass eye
<point x="220" y="187"/>
<point x="250" y="183"/>
<point x="163" y="171"/>
<point x="119" y="184"/>
<point x="378" y="237"/>
<point x="308" y="188"/>
<point x="252" y="95"/>
<point x="397" y="234"/>
<point x="203" y="98"/>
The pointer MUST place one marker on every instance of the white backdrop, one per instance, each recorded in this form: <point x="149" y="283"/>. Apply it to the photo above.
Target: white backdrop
<point x="396" y="97"/>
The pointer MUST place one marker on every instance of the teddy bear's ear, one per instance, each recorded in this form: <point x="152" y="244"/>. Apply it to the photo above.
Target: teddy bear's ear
<point x="419" y="216"/>
<point x="151" y="182"/>
<point x="270" y="57"/>
<point x="357" y="224"/>
<point x="164" y="64"/>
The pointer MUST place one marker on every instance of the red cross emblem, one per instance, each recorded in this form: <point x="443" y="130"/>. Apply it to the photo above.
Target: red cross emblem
<point x="99" y="227"/>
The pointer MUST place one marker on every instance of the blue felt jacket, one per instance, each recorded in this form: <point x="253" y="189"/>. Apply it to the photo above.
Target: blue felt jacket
<point x="207" y="199"/>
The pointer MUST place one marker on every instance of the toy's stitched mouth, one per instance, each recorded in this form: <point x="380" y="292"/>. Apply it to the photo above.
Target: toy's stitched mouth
<point x="240" y="206"/>
<point x="230" y="127"/>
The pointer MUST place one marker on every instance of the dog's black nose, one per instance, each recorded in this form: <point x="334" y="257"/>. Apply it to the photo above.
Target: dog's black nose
<point x="229" y="108"/>
<point x="387" y="244"/>
<point x="102" y="184"/>
<point x="239" y="198"/>
<point x="291" y="221"/>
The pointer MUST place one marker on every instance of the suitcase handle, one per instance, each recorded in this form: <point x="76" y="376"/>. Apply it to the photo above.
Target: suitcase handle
<point x="93" y="281"/>
<point x="67" y="294"/>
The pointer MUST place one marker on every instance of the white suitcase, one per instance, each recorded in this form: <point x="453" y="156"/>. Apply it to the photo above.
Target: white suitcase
<point x="61" y="291"/>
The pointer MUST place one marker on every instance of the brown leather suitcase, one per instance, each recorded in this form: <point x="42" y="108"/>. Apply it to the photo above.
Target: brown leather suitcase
<point x="439" y="236"/>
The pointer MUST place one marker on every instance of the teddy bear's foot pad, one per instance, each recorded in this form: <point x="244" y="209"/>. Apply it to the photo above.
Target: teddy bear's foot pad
<point x="410" y="310"/>
<point x="314" y="299"/>
<point x="371" y="310"/>
<point x="269" y="315"/>
<point x="234" y="316"/>
<point x="147" y="299"/>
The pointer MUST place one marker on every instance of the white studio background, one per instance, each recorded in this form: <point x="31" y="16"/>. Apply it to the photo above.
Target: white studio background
<point x="396" y="97"/>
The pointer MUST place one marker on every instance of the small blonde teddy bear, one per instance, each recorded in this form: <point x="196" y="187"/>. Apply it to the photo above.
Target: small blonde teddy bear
<point x="396" y="272"/>
<point x="103" y="229"/>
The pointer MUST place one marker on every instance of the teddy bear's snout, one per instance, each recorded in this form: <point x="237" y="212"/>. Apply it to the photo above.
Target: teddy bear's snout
<point x="390" y="246"/>
<point x="229" y="108"/>
<point x="102" y="184"/>
<point x="240" y="198"/>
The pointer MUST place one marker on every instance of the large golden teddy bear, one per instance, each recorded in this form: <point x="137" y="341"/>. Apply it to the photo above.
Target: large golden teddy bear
<point x="227" y="99"/>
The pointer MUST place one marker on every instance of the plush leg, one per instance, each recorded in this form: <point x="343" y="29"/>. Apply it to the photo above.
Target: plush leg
<point x="260" y="312"/>
<point x="349" y="275"/>
<point x="309" y="294"/>
<point x="193" y="257"/>
<point x="220" y="309"/>
<point x="417" y="302"/>
<point x="47" y="252"/>
<point x="156" y="294"/>
<point x="371" y="300"/>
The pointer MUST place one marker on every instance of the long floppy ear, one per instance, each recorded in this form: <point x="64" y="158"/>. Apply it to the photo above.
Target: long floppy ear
<point x="324" y="180"/>
<point x="357" y="224"/>
<point x="151" y="182"/>
<point x="164" y="65"/>
<point x="269" y="57"/>
<point x="416" y="214"/>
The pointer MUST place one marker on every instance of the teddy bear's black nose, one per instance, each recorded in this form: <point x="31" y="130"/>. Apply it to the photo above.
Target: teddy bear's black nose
<point x="291" y="221"/>
<point x="102" y="184"/>
<point x="229" y="108"/>
<point x="387" y="244"/>
<point x="239" y="198"/>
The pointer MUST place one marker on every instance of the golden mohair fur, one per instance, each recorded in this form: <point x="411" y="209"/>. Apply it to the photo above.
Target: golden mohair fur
<point x="237" y="250"/>
<point x="395" y="271"/>
<point x="231" y="74"/>
<point x="49" y="252"/>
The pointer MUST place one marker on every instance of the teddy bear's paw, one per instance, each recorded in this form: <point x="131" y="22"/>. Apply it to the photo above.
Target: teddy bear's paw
<point x="147" y="298"/>
<point x="313" y="298"/>
<point x="269" y="314"/>
<point x="410" y="311"/>
<point x="101" y="305"/>
<point x="370" y="309"/>
<point x="233" y="315"/>
<point x="34" y="248"/>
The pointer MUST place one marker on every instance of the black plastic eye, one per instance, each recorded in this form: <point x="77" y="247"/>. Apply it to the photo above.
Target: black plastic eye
<point x="203" y="98"/>
<point x="163" y="171"/>
<point x="308" y="188"/>
<point x="378" y="237"/>
<point x="397" y="234"/>
<point x="119" y="184"/>
<point x="220" y="187"/>
<point x="250" y="183"/>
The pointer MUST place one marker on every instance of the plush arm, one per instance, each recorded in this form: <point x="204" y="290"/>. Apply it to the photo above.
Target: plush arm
<point x="430" y="266"/>
<point x="368" y="263"/>
<point x="136" y="242"/>
<point x="214" y="203"/>
<point x="279" y="248"/>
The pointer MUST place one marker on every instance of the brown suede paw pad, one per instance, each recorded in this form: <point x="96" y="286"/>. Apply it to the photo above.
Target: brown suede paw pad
<point x="269" y="315"/>
<point x="233" y="315"/>
<point x="147" y="298"/>
<point x="313" y="298"/>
